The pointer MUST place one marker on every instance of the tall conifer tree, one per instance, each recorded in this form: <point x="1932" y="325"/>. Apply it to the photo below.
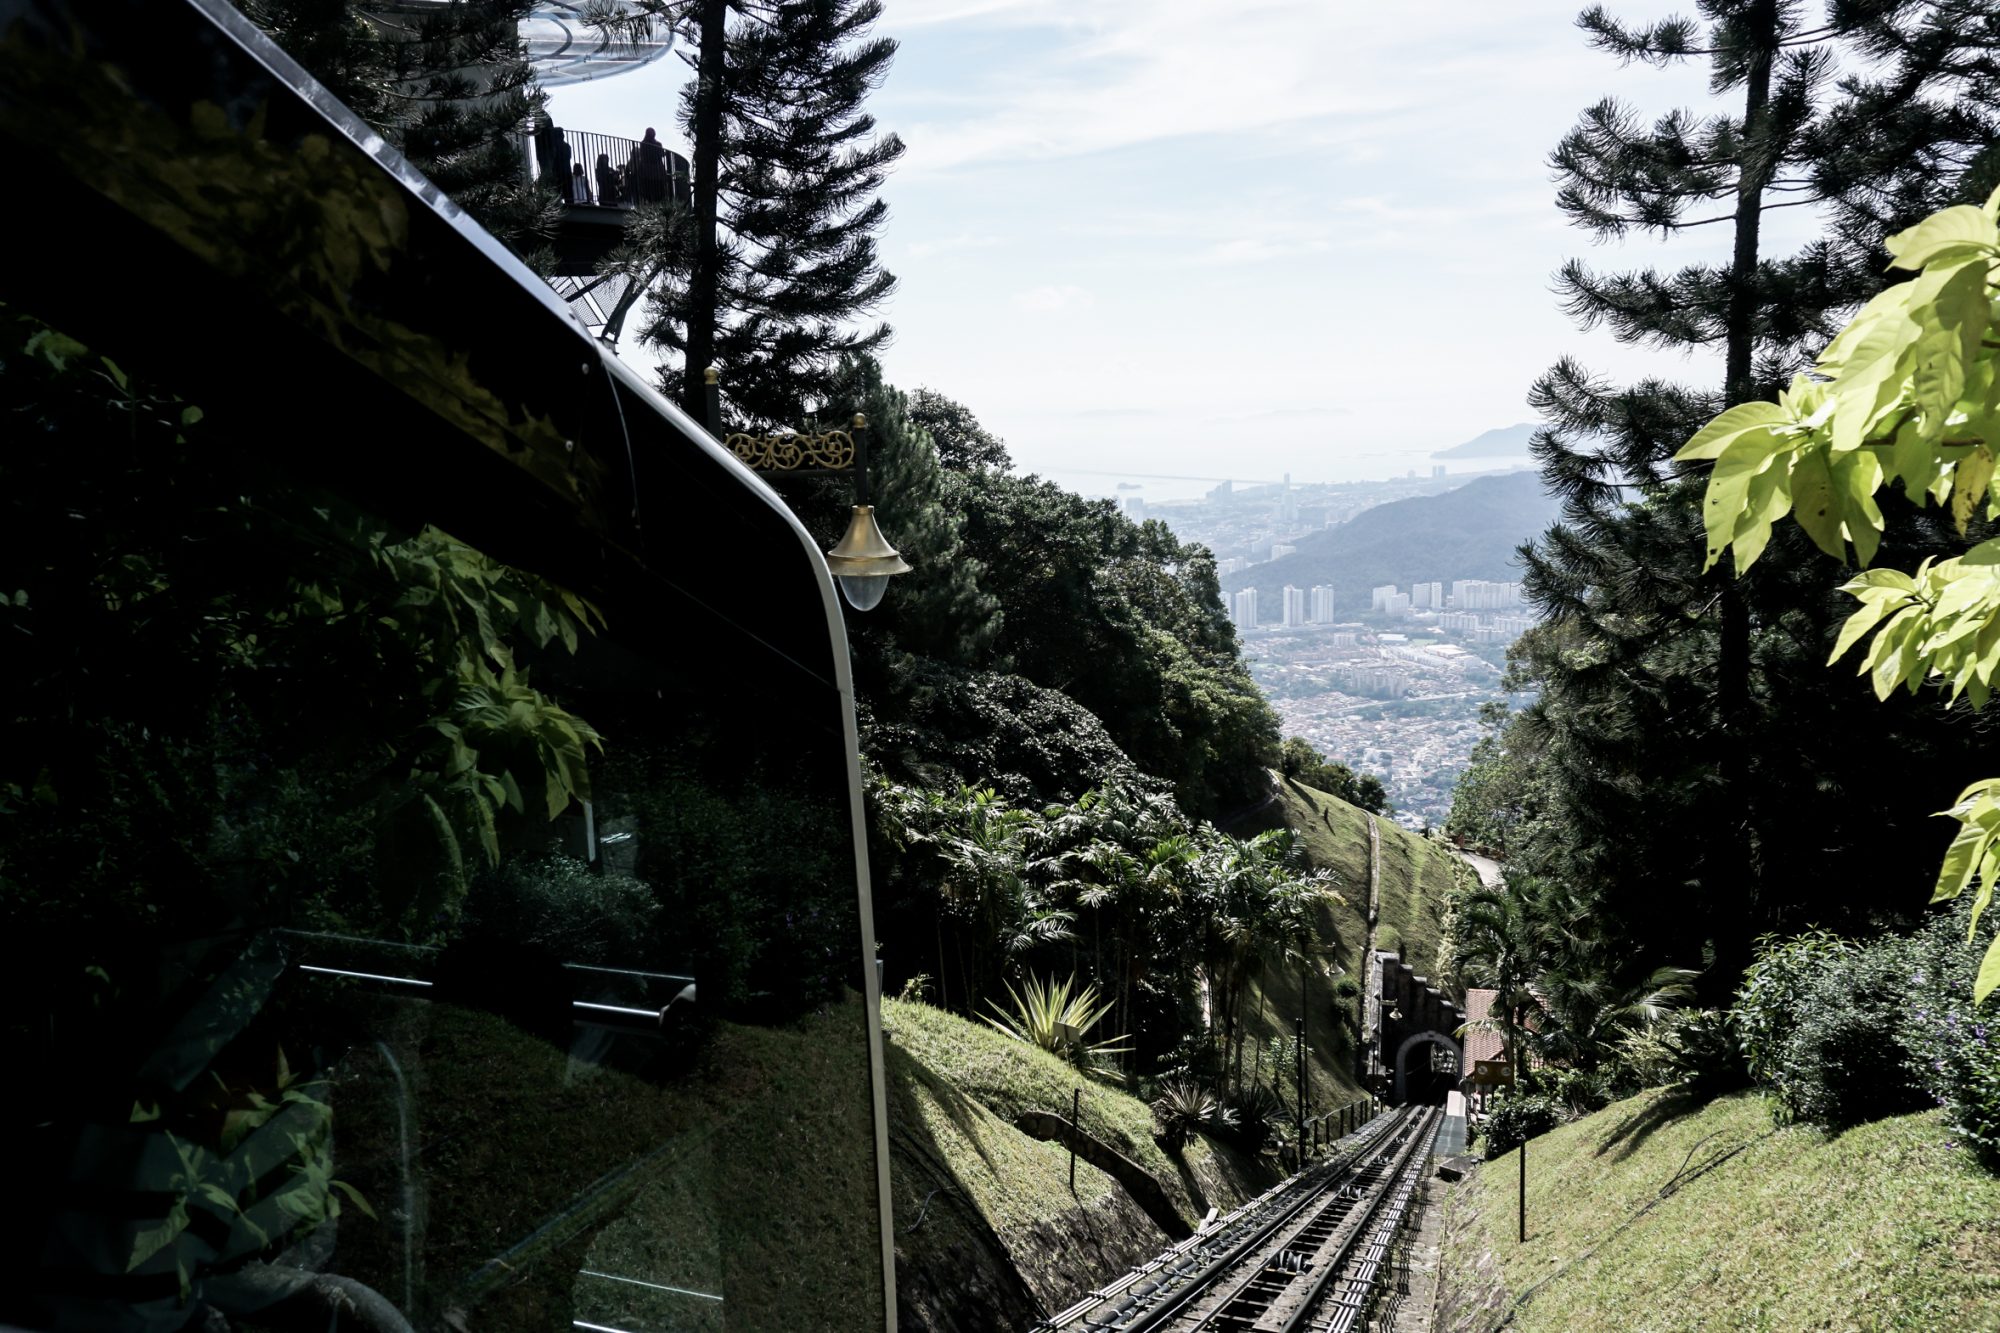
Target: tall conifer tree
<point x="777" y="262"/>
<point x="1654" y="714"/>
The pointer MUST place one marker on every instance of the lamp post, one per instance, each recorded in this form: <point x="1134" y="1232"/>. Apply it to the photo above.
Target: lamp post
<point x="862" y="562"/>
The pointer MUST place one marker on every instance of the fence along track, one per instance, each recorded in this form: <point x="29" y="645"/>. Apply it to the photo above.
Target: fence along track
<point x="1145" y="1297"/>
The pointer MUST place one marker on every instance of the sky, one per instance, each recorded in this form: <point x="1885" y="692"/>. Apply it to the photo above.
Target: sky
<point x="1234" y="238"/>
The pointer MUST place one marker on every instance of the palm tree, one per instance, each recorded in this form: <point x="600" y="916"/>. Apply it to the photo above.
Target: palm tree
<point x="1505" y="941"/>
<point x="1564" y="999"/>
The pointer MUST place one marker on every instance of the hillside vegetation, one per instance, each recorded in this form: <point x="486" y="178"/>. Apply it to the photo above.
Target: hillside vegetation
<point x="1417" y="878"/>
<point x="1469" y="532"/>
<point x="1660" y="1214"/>
<point x="987" y="1226"/>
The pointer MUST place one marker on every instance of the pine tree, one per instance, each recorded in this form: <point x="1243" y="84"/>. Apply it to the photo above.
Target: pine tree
<point x="765" y="276"/>
<point x="450" y="85"/>
<point x="1658" y="684"/>
<point x="963" y="445"/>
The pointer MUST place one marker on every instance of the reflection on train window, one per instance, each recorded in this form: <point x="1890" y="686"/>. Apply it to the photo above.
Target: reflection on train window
<point x="394" y="938"/>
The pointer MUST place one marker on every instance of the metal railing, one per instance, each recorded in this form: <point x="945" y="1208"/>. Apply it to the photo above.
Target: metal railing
<point x="617" y="173"/>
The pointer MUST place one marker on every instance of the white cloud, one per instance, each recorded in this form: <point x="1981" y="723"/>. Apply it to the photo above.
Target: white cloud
<point x="1112" y="73"/>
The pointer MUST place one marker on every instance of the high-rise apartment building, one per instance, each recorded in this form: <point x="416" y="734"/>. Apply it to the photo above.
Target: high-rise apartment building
<point x="1243" y="609"/>
<point x="1427" y="596"/>
<point x="1322" y="605"/>
<point x="1481" y="595"/>
<point x="1295" y="606"/>
<point x="1378" y="596"/>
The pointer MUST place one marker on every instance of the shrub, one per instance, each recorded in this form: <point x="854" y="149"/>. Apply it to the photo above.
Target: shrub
<point x="1260" y="1115"/>
<point x="1953" y="1044"/>
<point x="1573" y="1092"/>
<point x="1184" y="1109"/>
<point x="1687" y="1048"/>
<point x="1521" y="1117"/>
<point x="563" y="906"/>
<point x="1840" y="1063"/>
<point x="1048" y="1015"/>
<point x="1773" y="994"/>
<point x="1844" y="1032"/>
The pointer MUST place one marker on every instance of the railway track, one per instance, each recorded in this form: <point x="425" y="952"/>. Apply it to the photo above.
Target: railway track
<point x="1306" y="1255"/>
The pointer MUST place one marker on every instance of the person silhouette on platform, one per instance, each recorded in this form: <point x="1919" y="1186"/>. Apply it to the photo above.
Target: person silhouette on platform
<point x="559" y="160"/>
<point x="650" y="168"/>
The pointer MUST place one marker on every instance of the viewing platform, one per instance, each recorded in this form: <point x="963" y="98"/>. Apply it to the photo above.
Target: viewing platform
<point x="617" y="176"/>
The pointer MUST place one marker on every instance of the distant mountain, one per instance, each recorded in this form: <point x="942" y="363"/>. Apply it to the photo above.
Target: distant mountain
<point x="1466" y="533"/>
<point x="1507" y="442"/>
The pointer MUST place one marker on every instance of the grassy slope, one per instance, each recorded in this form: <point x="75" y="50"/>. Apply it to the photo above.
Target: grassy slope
<point x="1882" y="1226"/>
<point x="1416" y="876"/>
<point x="955" y="1088"/>
<point x="1005" y="1077"/>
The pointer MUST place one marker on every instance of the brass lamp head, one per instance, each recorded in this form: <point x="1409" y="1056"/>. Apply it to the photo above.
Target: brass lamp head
<point x="864" y="561"/>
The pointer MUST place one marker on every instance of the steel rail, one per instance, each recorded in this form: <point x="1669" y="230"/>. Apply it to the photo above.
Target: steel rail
<point x="1277" y="1280"/>
<point x="1160" y="1312"/>
<point x="1358" y="1290"/>
<point x="1191" y="1258"/>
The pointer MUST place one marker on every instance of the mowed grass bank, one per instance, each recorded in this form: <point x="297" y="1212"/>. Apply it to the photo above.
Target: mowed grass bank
<point x="990" y="1234"/>
<point x="1656" y="1214"/>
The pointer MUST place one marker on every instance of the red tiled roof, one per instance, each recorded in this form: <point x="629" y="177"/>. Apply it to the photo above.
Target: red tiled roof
<point x="1480" y="1043"/>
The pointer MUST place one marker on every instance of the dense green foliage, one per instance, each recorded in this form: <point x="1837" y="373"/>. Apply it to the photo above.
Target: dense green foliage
<point x="1518" y="1117"/>
<point x="1684" y="762"/>
<point x="1118" y="889"/>
<point x="1907" y="393"/>
<point x="1845" y="1031"/>
<point x="1299" y="761"/>
<point x="1695" y="1049"/>
<point x="1128" y="621"/>
<point x="1043" y="643"/>
<point x="963" y="445"/>
<point x="1563" y="1005"/>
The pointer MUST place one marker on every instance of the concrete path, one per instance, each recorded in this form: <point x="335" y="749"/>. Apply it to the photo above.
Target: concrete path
<point x="1485" y="867"/>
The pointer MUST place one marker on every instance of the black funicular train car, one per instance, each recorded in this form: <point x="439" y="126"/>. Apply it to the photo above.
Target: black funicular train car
<point x="432" y="887"/>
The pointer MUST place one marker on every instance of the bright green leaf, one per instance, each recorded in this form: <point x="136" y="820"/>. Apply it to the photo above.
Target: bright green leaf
<point x="1954" y="233"/>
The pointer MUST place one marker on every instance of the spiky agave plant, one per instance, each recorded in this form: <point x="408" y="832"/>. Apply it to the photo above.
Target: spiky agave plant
<point x="1184" y="1109"/>
<point x="1055" y="1016"/>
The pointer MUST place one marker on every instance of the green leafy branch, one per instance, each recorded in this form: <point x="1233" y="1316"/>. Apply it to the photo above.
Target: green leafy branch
<point x="258" y="1134"/>
<point x="1908" y="393"/>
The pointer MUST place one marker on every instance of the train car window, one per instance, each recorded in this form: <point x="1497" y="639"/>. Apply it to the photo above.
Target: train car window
<point x="395" y="937"/>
